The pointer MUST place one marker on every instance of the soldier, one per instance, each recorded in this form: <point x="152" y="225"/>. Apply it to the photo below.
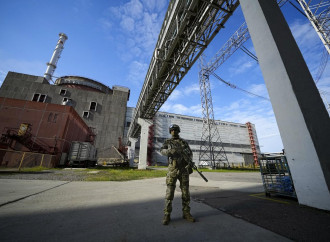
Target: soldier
<point x="178" y="152"/>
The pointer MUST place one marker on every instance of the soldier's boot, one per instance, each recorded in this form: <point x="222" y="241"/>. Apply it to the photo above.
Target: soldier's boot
<point x="167" y="211"/>
<point x="186" y="210"/>
<point x="187" y="216"/>
<point x="166" y="219"/>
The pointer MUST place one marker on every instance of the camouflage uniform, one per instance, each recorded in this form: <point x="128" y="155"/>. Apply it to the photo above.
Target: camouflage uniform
<point x="177" y="170"/>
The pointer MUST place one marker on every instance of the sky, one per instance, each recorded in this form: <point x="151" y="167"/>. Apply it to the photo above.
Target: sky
<point x="112" y="41"/>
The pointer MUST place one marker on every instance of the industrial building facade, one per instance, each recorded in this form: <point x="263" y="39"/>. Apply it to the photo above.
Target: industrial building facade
<point x="238" y="140"/>
<point x="101" y="108"/>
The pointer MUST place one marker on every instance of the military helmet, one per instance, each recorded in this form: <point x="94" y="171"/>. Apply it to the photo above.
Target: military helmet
<point x="173" y="127"/>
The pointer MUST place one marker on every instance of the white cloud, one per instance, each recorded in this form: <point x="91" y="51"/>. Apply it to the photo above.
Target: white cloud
<point x="176" y="94"/>
<point x="194" y="110"/>
<point x="127" y="23"/>
<point x="309" y="43"/>
<point x="133" y="8"/>
<point x="241" y="65"/>
<point x="259" y="113"/>
<point x="140" y="22"/>
<point x="303" y="33"/>
<point x="154" y="5"/>
<point x="136" y="73"/>
<point x="193" y="89"/>
<point x="259" y="89"/>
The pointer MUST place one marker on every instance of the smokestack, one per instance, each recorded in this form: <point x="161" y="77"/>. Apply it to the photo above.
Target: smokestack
<point x="51" y="66"/>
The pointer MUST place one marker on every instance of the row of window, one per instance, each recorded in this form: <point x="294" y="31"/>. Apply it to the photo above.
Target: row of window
<point x="38" y="97"/>
<point x="199" y="142"/>
<point x="198" y="120"/>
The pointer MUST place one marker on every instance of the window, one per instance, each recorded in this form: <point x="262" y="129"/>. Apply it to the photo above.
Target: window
<point x="63" y="92"/>
<point x="37" y="97"/>
<point x="55" y="118"/>
<point x="42" y="98"/>
<point x="128" y="124"/>
<point x="52" y="118"/>
<point x="93" y="106"/>
<point x="65" y="99"/>
<point x="85" y="114"/>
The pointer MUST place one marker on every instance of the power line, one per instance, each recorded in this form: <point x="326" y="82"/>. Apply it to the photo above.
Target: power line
<point x="249" y="53"/>
<point x="238" y="88"/>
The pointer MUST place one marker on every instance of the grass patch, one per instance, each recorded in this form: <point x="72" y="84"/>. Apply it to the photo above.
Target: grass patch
<point x="35" y="169"/>
<point x="122" y="174"/>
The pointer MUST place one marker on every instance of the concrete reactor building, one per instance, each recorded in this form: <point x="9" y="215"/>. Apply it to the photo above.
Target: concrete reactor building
<point x="73" y="109"/>
<point x="100" y="108"/>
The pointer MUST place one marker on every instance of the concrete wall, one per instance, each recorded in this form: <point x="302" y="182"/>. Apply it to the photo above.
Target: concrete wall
<point x="108" y="119"/>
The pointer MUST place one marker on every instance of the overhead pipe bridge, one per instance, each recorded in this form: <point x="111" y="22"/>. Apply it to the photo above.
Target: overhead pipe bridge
<point x="188" y="27"/>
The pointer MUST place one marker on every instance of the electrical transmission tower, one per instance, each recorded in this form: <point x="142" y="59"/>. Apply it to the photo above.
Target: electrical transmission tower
<point x="319" y="16"/>
<point x="212" y="152"/>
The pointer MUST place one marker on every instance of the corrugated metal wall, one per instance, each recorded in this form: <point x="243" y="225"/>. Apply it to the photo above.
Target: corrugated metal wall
<point x="234" y="136"/>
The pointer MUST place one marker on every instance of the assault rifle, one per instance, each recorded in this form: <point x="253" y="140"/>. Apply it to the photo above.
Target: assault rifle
<point x="192" y="165"/>
<point x="187" y="156"/>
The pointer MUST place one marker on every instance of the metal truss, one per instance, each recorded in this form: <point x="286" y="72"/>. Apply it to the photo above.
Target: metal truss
<point x="211" y="151"/>
<point x="234" y="42"/>
<point x="318" y="13"/>
<point x="188" y="28"/>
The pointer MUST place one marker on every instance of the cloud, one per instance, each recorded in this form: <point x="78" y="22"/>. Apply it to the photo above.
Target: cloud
<point x="176" y="94"/>
<point x="309" y="43"/>
<point x="303" y="32"/>
<point x="133" y="8"/>
<point x="241" y="65"/>
<point x="258" y="113"/>
<point x="258" y="89"/>
<point x="194" y="110"/>
<point x="136" y="73"/>
<point x="193" y="89"/>
<point x="127" y="23"/>
<point x="154" y="5"/>
<point x="138" y="21"/>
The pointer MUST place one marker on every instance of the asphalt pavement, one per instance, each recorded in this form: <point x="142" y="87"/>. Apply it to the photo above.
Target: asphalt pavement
<point x="227" y="208"/>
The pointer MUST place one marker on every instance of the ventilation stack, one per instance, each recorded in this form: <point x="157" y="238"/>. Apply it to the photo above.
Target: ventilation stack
<point x="51" y="66"/>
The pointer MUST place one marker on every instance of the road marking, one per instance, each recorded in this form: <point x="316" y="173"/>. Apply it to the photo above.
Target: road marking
<point x="257" y="195"/>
